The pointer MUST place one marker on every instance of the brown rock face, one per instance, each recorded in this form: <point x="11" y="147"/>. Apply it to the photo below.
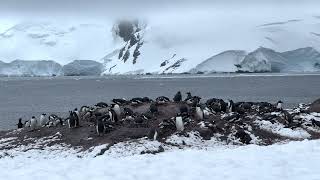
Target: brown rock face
<point x="315" y="106"/>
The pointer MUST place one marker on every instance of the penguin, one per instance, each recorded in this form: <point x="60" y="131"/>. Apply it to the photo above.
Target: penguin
<point x="99" y="127"/>
<point x="58" y="121"/>
<point x="153" y="108"/>
<point x="162" y="99"/>
<point x="27" y="124"/>
<point x="146" y="100"/>
<point x="42" y="120"/>
<point x="116" y="109"/>
<point x="189" y="96"/>
<point x="77" y="113"/>
<point x="33" y="123"/>
<point x="84" y="109"/>
<point x="199" y="113"/>
<point x="119" y="101"/>
<point x="223" y="105"/>
<point x="230" y="106"/>
<point x="179" y="123"/>
<point x="136" y="101"/>
<point x="113" y="116"/>
<point x="20" y="125"/>
<point x="101" y="105"/>
<point x="76" y="118"/>
<point x="71" y="120"/>
<point x="279" y="105"/>
<point x="177" y="97"/>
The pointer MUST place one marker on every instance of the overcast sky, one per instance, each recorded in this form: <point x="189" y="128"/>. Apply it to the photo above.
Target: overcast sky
<point x="104" y="8"/>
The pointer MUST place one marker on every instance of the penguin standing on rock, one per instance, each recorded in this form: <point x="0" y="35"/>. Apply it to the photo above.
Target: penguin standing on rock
<point x="100" y="127"/>
<point x="179" y="123"/>
<point x="71" y="120"/>
<point x="42" y="120"/>
<point x="116" y="109"/>
<point x="230" y="106"/>
<point x="27" y="124"/>
<point x="113" y="116"/>
<point x="76" y="118"/>
<point x="199" y="113"/>
<point x="189" y="96"/>
<point x="279" y="105"/>
<point x="20" y="125"/>
<point x="33" y="123"/>
<point x="177" y="97"/>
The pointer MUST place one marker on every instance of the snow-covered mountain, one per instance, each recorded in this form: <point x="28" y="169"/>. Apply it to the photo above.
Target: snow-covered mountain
<point x="30" y="68"/>
<point x="172" y="43"/>
<point x="223" y="62"/>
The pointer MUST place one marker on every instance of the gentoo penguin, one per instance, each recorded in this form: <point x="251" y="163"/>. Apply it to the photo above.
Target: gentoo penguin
<point x="223" y="105"/>
<point x="230" y="106"/>
<point x="20" y="125"/>
<point x="100" y="127"/>
<point x="84" y="109"/>
<point x="162" y="99"/>
<point x="42" y="120"/>
<point x="116" y="109"/>
<point x="119" y="101"/>
<point x="189" y="96"/>
<point x="77" y="113"/>
<point x="76" y="118"/>
<point x="27" y="124"/>
<point x="113" y="116"/>
<point x="71" y="120"/>
<point x="101" y="105"/>
<point x="177" y="97"/>
<point x="33" y="123"/>
<point x="153" y="108"/>
<point x="179" y="123"/>
<point x="279" y="105"/>
<point x="199" y="113"/>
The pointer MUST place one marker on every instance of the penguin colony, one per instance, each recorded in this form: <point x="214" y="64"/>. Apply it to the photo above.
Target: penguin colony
<point x="164" y="116"/>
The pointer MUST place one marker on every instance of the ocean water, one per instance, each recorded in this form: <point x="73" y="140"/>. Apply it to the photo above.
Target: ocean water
<point x="25" y="97"/>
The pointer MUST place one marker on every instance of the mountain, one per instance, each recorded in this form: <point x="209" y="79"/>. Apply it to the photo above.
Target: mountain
<point x="304" y="59"/>
<point x="263" y="60"/>
<point x="30" y="68"/>
<point x="223" y="62"/>
<point x="83" y="68"/>
<point x="168" y="43"/>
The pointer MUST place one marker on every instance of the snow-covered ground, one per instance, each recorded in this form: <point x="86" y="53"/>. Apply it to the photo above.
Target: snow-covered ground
<point x="294" y="160"/>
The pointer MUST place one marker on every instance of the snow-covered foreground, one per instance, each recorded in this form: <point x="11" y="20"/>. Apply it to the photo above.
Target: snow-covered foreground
<point x="295" y="160"/>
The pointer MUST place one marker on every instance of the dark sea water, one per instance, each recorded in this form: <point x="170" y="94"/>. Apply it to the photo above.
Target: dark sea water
<point x="24" y="97"/>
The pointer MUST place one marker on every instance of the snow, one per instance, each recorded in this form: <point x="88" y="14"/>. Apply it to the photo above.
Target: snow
<point x="169" y="35"/>
<point x="279" y="129"/>
<point x="223" y="62"/>
<point x="83" y="68"/>
<point x="294" y="160"/>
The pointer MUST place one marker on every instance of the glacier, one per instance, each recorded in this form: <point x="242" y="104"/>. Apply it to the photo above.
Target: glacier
<point x="197" y="42"/>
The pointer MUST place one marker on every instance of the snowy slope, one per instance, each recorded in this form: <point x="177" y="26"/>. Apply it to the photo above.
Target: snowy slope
<point x="168" y="42"/>
<point x="30" y="68"/>
<point x="294" y="161"/>
<point x="223" y="62"/>
<point x="305" y="59"/>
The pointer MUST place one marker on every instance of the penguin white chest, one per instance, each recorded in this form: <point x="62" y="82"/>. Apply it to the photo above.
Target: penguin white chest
<point x="199" y="113"/>
<point x="279" y="106"/>
<point x="117" y="109"/>
<point x="33" y="123"/>
<point x="179" y="123"/>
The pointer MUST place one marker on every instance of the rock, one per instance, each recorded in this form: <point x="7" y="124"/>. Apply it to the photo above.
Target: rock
<point x="315" y="106"/>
